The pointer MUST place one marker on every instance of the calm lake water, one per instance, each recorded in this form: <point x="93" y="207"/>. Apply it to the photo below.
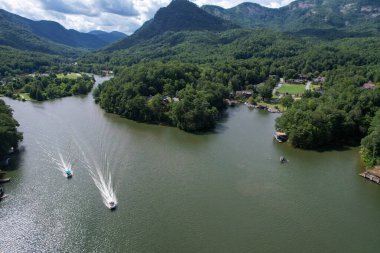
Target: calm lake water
<point x="178" y="192"/>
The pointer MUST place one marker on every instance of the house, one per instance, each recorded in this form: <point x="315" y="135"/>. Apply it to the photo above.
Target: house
<point x="319" y="80"/>
<point x="107" y="72"/>
<point x="369" y="86"/>
<point x="244" y="93"/>
<point x="166" y="99"/>
<point x="296" y="81"/>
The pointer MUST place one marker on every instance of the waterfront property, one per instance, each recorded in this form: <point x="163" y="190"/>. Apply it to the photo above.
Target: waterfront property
<point x="292" y="89"/>
<point x="373" y="174"/>
<point x="281" y="137"/>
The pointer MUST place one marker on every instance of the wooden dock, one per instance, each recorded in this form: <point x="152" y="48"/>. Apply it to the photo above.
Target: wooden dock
<point x="373" y="174"/>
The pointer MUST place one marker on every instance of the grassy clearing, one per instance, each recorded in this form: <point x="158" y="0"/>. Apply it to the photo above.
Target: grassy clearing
<point x="315" y="86"/>
<point x="292" y="89"/>
<point x="25" y="96"/>
<point x="69" y="76"/>
<point x="272" y="105"/>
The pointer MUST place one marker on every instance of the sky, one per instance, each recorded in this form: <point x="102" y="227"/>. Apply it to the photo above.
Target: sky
<point x="107" y="15"/>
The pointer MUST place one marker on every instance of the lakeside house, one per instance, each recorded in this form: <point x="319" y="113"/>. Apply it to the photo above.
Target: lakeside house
<point x="319" y="80"/>
<point x="165" y="99"/>
<point x="369" y="86"/>
<point x="280" y="137"/>
<point x="244" y="93"/>
<point x="107" y="72"/>
<point x="296" y="81"/>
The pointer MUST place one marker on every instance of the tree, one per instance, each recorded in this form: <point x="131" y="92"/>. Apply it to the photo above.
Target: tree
<point x="265" y="91"/>
<point x="193" y="112"/>
<point x="9" y="135"/>
<point x="287" y="101"/>
<point x="370" y="145"/>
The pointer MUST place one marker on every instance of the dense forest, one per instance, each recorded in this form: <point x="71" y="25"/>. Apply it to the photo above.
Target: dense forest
<point x="180" y="72"/>
<point x="241" y="59"/>
<point x="370" y="148"/>
<point x="182" y="95"/>
<point x="9" y="135"/>
<point x="44" y="87"/>
<point x="15" y="62"/>
<point x="344" y="112"/>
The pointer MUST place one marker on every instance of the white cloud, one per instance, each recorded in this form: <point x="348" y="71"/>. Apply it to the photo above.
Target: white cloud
<point x="108" y="15"/>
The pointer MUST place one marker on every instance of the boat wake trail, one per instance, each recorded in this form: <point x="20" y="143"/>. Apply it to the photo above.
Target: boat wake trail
<point x="64" y="163"/>
<point x="101" y="175"/>
<point x="103" y="181"/>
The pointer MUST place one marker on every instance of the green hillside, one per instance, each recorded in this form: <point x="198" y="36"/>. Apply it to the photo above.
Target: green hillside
<point x="179" y="15"/>
<point x="311" y="16"/>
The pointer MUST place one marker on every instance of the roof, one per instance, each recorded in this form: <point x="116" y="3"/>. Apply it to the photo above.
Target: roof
<point x="369" y="86"/>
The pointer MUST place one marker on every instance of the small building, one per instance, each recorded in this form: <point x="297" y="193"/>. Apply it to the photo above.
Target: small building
<point x="319" y="80"/>
<point x="296" y="81"/>
<point x="369" y="86"/>
<point x="107" y="72"/>
<point x="166" y="99"/>
<point x="280" y="137"/>
<point x="244" y="93"/>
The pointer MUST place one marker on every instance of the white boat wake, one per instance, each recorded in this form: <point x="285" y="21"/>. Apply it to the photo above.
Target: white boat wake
<point x="103" y="181"/>
<point x="62" y="164"/>
<point x="102" y="178"/>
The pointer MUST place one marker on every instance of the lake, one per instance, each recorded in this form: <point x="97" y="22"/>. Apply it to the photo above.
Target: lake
<point x="224" y="191"/>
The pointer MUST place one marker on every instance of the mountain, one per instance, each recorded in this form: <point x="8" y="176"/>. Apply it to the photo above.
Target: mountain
<point x="16" y="34"/>
<point x="109" y="37"/>
<point x="179" y="15"/>
<point x="44" y="35"/>
<point x="55" y="32"/>
<point x="305" y="15"/>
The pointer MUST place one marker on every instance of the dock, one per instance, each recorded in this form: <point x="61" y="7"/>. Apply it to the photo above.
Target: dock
<point x="373" y="174"/>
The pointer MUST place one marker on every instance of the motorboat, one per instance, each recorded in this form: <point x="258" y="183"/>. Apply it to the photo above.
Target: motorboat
<point x="112" y="205"/>
<point x="283" y="159"/>
<point x="68" y="173"/>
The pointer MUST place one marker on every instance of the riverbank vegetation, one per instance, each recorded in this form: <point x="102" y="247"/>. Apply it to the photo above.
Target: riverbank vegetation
<point x="370" y="145"/>
<point x="172" y="93"/>
<point x="181" y="79"/>
<point x="243" y="59"/>
<point x="344" y="112"/>
<point x="44" y="87"/>
<point x="9" y="135"/>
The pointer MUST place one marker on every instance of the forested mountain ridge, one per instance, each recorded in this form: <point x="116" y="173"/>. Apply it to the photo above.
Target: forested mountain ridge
<point x="305" y="14"/>
<point x="199" y="68"/>
<point x="179" y="15"/>
<point x="16" y="34"/>
<point x="23" y="33"/>
<point x="27" y="46"/>
<point x="110" y="37"/>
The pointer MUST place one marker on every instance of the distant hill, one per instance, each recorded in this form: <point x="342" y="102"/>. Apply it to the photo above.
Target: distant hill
<point x="15" y="33"/>
<point x="355" y="15"/>
<point x="48" y="36"/>
<point x="110" y="37"/>
<point x="179" y="15"/>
